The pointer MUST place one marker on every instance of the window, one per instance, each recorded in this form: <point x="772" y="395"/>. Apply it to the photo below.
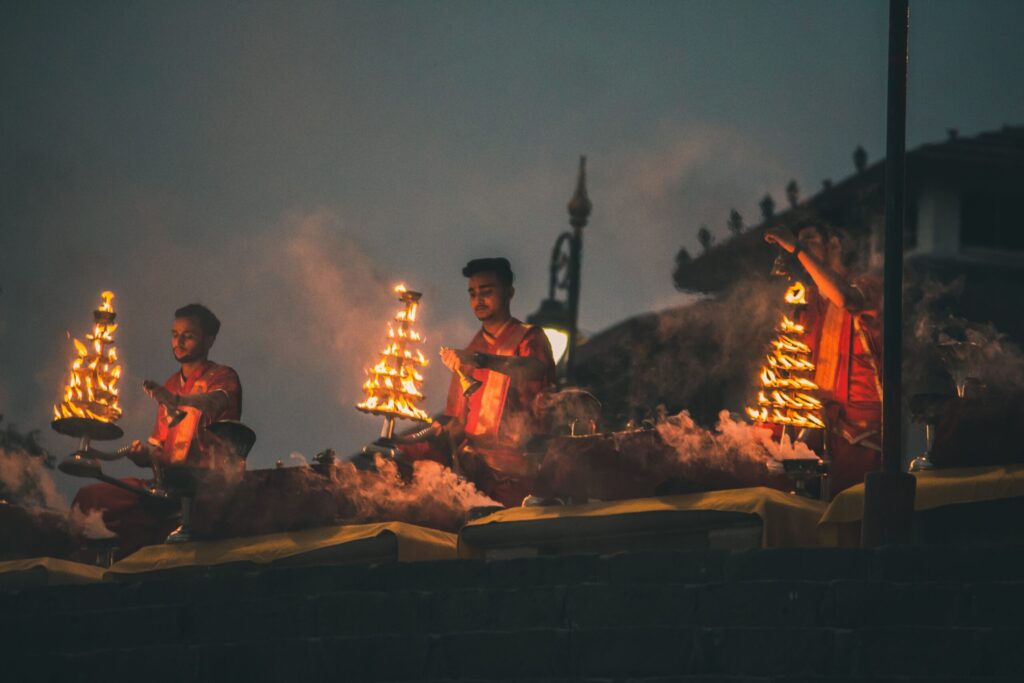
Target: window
<point x="987" y="221"/>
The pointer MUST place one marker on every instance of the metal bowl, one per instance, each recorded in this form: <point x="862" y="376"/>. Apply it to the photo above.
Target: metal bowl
<point x="240" y="437"/>
<point x="97" y="430"/>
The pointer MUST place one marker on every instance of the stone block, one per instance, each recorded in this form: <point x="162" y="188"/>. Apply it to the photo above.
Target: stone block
<point x="503" y="655"/>
<point x="667" y="567"/>
<point x="361" y="613"/>
<point x="998" y="652"/>
<point x="617" y="605"/>
<point x="996" y="604"/>
<point x="530" y="607"/>
<point x="854" y="604"/>
<point x="914" y="651"/>
<point x="791" y="604"/>
<point x="768" y="651"/>
<point x="809" y="564"/>
<point x="632" y="652"/>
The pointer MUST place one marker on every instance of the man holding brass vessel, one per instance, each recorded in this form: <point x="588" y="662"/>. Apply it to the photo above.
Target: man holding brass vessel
<point x="843" y="322"/>
<point x="492" y="410"/>
<point x="199" y="393"/>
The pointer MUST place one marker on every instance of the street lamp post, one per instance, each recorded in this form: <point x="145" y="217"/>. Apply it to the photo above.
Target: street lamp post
<point x="560" y="318"/>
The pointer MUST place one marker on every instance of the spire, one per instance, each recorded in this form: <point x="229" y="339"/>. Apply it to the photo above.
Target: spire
<point x="579" y="205"/>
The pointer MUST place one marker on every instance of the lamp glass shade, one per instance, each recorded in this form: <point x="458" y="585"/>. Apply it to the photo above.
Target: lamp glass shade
<point x="559" y="340"/>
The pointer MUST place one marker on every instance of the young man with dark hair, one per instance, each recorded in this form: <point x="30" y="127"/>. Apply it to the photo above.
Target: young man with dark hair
<point x="199" y="393"/>
<point x="513" y="364"/>
<point x="843" y="322"/>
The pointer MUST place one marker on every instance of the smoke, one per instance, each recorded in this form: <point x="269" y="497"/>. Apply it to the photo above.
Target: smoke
<point x="945" y="349"/>
<point x="703" y="357"/>
<point x="89" y="524"/>
<point x="732" y="446"/>
<point x="432" y="495"/>
<point x="25" y="480"/>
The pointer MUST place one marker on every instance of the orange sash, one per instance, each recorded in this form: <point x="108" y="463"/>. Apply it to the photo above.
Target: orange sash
<point x="487" y="420"/>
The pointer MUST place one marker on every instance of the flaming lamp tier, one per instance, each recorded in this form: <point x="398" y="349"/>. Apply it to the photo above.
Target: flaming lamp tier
<point x="91" y="390"/>
<point x="787" y="379"/>
<point x="393" y="387"/>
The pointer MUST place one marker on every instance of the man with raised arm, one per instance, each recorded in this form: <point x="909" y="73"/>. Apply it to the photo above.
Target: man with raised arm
<point x="843" y="322"/>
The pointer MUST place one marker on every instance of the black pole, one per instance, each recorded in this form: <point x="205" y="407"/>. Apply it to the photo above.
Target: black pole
<point x="895" y="186"/>
<point x="889" y="494"/>
<point x="579" y="211"/>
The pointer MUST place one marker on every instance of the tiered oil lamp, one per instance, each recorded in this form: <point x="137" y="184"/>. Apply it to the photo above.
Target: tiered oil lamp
<point x="393" y="387"/>
<point x="90" y="407"/>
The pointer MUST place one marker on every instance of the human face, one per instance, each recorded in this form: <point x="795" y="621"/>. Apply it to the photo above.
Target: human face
<point x="188" y="342"/>
<point x="811" y="241"/>
<point x="488" y="298"/>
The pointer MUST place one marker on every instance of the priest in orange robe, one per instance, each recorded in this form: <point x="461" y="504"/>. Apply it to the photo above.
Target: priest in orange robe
<point x="492" y="406"/>
<point x="843" y="323"/>
<point x="198" y="393"/>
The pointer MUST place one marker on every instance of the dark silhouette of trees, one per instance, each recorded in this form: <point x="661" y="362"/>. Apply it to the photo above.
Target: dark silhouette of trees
<point x="793" y="194"/>
<point x="860" y="158"/>
<point x="705" y="238"/>
<point x="735" y="222"/>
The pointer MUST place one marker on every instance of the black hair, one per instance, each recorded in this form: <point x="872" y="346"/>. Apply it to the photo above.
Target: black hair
<point x="208" y="322"/>
<point x="499" y="266"/>
<point x="849" y="247"/>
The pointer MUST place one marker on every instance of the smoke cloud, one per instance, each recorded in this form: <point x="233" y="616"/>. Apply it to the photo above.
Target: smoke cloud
<point x="89" y="524"/>
<point x="703" y="357"/>
<point x="25" y="481"/>
<point x="432" y="496"/>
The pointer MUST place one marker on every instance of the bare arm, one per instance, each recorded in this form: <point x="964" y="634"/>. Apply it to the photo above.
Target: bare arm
<point x="834" y="287"/>
<point x="209" y="402"/>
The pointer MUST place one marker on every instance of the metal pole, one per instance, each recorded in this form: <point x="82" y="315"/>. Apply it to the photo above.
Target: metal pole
<point x="889" y="494"/>
<point x="579" y="212"/>
<point x="895" y="186"/>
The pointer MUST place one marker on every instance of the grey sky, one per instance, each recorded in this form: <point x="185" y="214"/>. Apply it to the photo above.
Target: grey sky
<point x="287" y="162"/>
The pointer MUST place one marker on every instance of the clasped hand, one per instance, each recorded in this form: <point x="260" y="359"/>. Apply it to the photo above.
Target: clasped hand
<point x="458" y="361"/>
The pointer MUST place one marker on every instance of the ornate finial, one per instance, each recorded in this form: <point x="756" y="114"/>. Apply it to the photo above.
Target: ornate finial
<point x="579" y="205"/>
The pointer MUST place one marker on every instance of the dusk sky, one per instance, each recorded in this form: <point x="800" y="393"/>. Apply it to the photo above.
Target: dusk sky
<point x="287" y="163"/>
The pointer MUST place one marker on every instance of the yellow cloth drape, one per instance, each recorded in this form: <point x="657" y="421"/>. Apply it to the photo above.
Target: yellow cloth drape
<point x="414" y="544"/>
<point x="56" y="571"/>
<point x="788" y="520"/>
<point x="840" y="525"/>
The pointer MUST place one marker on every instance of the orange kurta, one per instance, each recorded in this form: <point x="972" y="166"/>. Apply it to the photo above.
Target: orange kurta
<point x="501" y="417"/>
<point x="846" y="350"/>
<point x="187" y="441"/>
<point x="140" y="522"/>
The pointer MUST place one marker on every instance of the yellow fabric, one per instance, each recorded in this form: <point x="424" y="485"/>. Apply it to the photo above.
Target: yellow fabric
<point x="57" y="571"/>
<point x="841" y="522"/>
<point x="414" y="544"/>
<point x="788" y="520"/>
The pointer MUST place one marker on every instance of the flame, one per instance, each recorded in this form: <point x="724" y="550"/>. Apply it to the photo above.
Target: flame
<point x="784" y="397"/>
<point x="392" y="388"/>
<point x="108" y="302"/>
<point x="790" y="326"/>
<point x="796" y="294"/>
<point x="91" y="390"/>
